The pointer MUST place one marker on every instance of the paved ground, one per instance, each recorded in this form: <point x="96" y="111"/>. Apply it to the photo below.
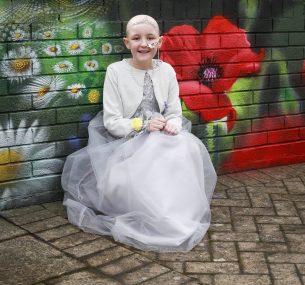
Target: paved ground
<point x="257" y="236"/>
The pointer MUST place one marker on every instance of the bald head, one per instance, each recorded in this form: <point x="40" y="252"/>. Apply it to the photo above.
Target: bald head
<point x="142" y="19"/>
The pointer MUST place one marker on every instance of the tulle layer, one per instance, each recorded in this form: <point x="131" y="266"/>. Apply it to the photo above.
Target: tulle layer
<point x="152" y="191"/>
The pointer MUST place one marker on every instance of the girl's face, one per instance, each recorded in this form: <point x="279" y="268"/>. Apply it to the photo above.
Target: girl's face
<point x="140" y="40"/>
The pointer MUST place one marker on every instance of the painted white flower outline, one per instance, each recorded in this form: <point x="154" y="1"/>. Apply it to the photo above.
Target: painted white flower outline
<point x="75" y="47"/>
<point x="106" y="48"/>
<point x="91" y="65"/>
<point x="18" y="35"/>
<point x="44" y="89"/>
<point x="75" y="90"/>
<point x="63" y="66"/>
<point x="18" y="63"/>
<point x="87" y="32"/>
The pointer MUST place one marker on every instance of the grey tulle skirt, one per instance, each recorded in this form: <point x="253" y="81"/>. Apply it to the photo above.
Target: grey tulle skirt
<point x="151" y="191"/>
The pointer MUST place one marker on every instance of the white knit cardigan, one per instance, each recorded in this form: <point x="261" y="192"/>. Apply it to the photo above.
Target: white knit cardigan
<point x="123" y="93"/>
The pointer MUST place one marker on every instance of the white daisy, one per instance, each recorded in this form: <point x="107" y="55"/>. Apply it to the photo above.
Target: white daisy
<point x="118" y="48"/>
<point x="21" y="136"/>
<point x="63" y="66"/>
<point x="93" y="51"/>
<point x="17" y="64"/>
<point x="46" y="35"/>
<point x="106" y="48"/>
<point x="75" y="90"/>
<point x="87" y="32"/>
<point x="45" y="88"/>
<point x="91" y="65"/>
<point x="18" y="35"/>
<point x="53" y="50"/>
<point x="75" y="47"/>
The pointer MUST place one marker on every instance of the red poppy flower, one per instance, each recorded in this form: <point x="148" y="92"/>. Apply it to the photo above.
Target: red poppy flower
<point x="207" y="65"/>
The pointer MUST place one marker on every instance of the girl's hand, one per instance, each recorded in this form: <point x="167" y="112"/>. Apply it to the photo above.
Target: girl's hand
<point x="170" y="129"/>
<point x="156" y="124"/>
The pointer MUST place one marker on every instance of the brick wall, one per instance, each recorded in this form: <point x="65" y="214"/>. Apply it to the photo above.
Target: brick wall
<point x="240" y="66"/>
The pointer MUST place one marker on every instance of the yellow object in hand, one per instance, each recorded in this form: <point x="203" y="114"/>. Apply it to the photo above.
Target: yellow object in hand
<point x="136" y="124"/>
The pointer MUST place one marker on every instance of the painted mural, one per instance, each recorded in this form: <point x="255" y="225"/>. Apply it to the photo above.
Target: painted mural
<point x="241" y="73"/>
<point x="216" y="69"/>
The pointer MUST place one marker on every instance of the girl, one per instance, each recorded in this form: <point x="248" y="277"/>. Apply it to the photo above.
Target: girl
<point x="143" y="178"/>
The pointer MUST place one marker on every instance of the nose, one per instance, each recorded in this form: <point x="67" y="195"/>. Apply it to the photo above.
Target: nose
<point x="144" y="42"/>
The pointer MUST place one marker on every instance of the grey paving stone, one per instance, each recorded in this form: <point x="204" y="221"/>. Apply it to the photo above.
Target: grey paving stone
<point x="245" y="179"/>
<point x="256" y="174"/>
<point x="295" y="185"/>
<point x="234" y="236"/>
<point x="45" y="224"/>
<point x="271" y="233"/>
<point x="262" y="246"/>
<point x="244" y="224"/>
<point x="220" y="227"/>
<point x="25" y="260"/>
<point x="20" y="211"/>
<point x="252" y="211"/>
<point x="144" y="273"/>
<point x="57" y="208"/>
<point x="170" y="278"/>
<point x="9" y="230"/>
<point x="32" y="217"/>
<point x="278" y="220"/>
<point x="229" y="181"/>
<point x="293" y="229"/>
<point x="212" y="267"/>
<point x="224" y="251"/>
<point x="259" y="199"/>
<point x="205" y="279"/>
<point x="253" y="262"/>
<point x="285" y="208"/>
<point x="284" y="274"/>
<point x="90" y="247"/>
<point x="230" y="203"/>
<point x="108" y="255"/>
<point x="173" y="265"/>
<point x="273" y="189"/>
<point x="124" y="264"/>
<point x="193" y="255"/>
<point x="242" y="279"/>
<point x="296" y="242"/>
<point x="286" y="258"/>
<point x="74" y="239"/>
<point x="83" y="278"/>
<point x="239" y="193"/>
<point x="220" y="214"/>
<point x="59" y="232"/>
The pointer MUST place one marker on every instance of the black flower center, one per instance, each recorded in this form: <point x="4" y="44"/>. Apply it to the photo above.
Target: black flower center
<point x="209" y="71"/>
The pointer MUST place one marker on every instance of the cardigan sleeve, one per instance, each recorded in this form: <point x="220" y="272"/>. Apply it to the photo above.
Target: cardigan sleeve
<point x="113" y="107"/>
<point x="173" y="112"/>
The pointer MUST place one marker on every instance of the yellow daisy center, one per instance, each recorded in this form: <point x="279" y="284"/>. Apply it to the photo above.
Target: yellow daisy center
<point x="106" y="48"/>
<point x="18" y="35"/>
<point x="20" y="64"/>
<point x="53" y="49"/>
<point x="75" y="90"/>
<point x="43" y="91"/>
<point x="75" y="46"/>
<point x="8" y="171"/>
<point x="47" y="34"/>
<point x="62" y="65"/>
<point x="94" y="96"/>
